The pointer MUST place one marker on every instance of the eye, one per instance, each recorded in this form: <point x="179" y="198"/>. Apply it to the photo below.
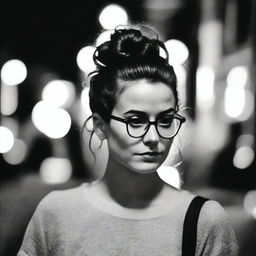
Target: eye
<point x="136" y="121"/>
<point x="165" y="121"/>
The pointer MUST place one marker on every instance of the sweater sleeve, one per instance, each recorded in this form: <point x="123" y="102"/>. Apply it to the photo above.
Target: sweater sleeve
<point x="35" y="238"/>
<point x="215" y="234"/>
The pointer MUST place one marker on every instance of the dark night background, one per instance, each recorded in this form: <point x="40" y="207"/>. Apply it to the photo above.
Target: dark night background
<point x="47" y="35"/>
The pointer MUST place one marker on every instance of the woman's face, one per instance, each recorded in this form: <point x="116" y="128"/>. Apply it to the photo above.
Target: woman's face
<point x="139" y="98"/>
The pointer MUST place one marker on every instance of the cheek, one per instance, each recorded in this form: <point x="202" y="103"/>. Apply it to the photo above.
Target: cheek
<point x="119" y="140"/>
<point x="167" y="145"/>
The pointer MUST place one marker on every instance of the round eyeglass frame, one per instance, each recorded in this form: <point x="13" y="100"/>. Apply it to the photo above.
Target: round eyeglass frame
<point x="176" y="116"/>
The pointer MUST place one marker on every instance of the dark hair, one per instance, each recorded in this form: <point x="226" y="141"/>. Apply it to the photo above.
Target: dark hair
<point x="128" y="56"/>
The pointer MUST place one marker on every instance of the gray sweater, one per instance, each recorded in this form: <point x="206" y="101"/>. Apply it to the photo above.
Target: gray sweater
<point x="77" y="222"/>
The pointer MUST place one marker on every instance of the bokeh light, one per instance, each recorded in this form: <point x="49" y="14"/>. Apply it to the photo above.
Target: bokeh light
<point x="243" y="157"/>
<point x="17" y="154"/>
<point x="245" y="140"/>
<point x="84" y="59"/>
<point x="54" y="170"/>
<point x="12" y="124"/>
<point x="234" y="101"/>
<point x="52" y="121"/>
<point x="60" y="93"/>
<point x="6" y="139"/>
<point x="112" y="16"/>
<point x="170" y="175"/>
<point x="178" y="51"/>
<point x="236" y="94"/>
<point x="250" y="203"/>
<point x="13" y="72"/>
<point x="181" y="74"/>
<point x="237" y="77"/>
<point x="9" y="99"/>
<point x="205" y="87"/>
<point x="248" y="107"/>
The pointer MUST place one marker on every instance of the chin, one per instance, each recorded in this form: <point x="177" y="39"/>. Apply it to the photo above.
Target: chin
<point x="145" y="168"/>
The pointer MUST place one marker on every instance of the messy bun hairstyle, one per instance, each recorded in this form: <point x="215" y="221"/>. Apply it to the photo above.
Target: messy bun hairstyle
<point x="128" y="55"/>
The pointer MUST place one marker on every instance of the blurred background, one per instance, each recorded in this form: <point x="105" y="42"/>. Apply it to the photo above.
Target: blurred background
<point x="45" y="57"/>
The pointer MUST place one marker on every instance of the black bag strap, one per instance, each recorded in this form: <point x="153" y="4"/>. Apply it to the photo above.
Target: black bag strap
<point x="190" y="226"/>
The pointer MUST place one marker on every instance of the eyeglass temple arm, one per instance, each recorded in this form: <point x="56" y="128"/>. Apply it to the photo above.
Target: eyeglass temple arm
<point x="181" y="118"/>
<point x="118" y="119"/>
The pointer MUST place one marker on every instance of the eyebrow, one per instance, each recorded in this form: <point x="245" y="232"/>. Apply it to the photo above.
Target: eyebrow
<point x="143" y="113"/>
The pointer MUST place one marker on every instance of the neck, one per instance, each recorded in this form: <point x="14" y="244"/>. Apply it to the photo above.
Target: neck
<point x="131" y="189"/>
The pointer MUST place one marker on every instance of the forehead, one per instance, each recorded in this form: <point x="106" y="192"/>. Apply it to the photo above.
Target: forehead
<point x="144" y="95"/>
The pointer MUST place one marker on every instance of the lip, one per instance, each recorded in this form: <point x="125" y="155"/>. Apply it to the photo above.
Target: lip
<point x="150" y="153"/>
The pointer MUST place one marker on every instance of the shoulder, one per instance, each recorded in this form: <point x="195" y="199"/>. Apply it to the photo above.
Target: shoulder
<point x="215" y="232"/>
<point x="211" y="212"/>
<point x="179" y="197"/>
<point x="60" y="199"/>
<point x="212" y="215"/>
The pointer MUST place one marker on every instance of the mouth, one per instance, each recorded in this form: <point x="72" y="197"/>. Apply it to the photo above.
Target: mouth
<point x="151" y="153"/>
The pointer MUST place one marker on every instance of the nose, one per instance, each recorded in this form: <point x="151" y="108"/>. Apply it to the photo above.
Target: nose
<point x="151" y="137"/>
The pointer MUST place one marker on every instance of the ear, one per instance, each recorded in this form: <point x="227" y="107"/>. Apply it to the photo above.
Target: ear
<point x="99" y="125"/>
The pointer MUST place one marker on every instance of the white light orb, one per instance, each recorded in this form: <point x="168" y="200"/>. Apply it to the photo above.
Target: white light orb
<point x="178" y="51"/>
<point x="52" y="121"/>
<point x="205" y="87"/>
<point x="84" y="59"/>
<point x="112" y="16"/>
<point x="236" y="94"/>
<point x="55" y="170"/>
<point x="60" y="93"/>
<point x="237" y="77"/>
<point x="243" y="157"/>
<point x="6" y="139"/>
<point x="170" y="175"/>
<point x="13" y="72"/>
<point x="234" y="101"/>
<point x="250" y="203"/>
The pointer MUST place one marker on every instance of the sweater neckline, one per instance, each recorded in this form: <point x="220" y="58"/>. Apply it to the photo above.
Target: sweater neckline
<point x="93" y="195"/>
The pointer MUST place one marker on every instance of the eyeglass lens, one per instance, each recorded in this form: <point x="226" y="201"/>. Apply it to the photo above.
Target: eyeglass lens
<point x="166" y="127"/>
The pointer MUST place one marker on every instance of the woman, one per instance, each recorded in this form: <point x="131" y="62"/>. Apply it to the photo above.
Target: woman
<point x="130" y="211"/>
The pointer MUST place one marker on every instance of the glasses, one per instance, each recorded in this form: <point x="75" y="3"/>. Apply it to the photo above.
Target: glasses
<point x="167" y="126"/>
